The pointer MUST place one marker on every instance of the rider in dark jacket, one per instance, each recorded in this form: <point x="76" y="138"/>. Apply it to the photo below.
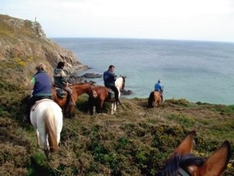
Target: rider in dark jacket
<point x="60" y="80"/>
<point x="41" y="85"/>
<point x="109" y="81"/>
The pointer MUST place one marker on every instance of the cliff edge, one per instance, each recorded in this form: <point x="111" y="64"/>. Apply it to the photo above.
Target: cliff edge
<point x="23" y="44"/>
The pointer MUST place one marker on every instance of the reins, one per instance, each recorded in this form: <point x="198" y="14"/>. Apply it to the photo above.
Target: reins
<point x="182" y="172"/>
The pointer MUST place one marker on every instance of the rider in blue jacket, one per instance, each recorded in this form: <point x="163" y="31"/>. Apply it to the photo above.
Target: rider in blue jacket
<point x="159" y="88"/>
<point x="41" y="85"/>
<point x="109" y="81"/>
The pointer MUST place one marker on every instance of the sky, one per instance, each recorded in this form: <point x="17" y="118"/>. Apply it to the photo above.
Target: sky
<point x="203" y="20"/>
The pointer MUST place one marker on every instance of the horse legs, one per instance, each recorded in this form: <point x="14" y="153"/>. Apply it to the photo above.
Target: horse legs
<point x="91" y="105"/>
<point x="69" y="113"/>
<point x="156" y="104"/>
<point x="115" y="107"/>
<point x="112" y="107"/>
<point x="46" y="151"/>
<point x="44" y="141"/>
<point x="99" y="106"/>
<point x="38" y="138"/>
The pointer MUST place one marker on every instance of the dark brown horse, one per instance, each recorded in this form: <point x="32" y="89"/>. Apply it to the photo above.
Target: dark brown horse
<point x="103" y="95"/>
<point x="77" y="89"/>
<point x="183" y="163"/>
<point x="155" y="99"/>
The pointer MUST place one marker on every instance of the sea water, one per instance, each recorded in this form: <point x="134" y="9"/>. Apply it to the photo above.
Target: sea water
<point x="193" y="70"/>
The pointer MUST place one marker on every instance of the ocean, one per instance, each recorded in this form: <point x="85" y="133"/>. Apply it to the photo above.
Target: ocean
<point x="198" y="71"/>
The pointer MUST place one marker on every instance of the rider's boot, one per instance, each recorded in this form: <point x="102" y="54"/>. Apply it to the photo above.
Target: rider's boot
<point x="70" y="100"/>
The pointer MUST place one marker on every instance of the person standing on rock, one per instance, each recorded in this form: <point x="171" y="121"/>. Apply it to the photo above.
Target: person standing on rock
<point x="60" y="80"/>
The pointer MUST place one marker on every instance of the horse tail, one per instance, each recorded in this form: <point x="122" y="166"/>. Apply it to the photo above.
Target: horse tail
<point x="157" y="99"/>
<point x="50" y="127"/>
<point x="150" y="100"/>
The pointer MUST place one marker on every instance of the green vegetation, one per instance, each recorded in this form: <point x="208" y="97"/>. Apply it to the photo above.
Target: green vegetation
<point x="134" y="141"/>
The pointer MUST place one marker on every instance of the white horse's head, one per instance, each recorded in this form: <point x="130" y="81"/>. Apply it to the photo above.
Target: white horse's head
<point x="120" y="82"/>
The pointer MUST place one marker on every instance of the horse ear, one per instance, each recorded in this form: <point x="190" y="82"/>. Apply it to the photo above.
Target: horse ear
<point x="186" y="145"/>
<point x="217" y="162"/>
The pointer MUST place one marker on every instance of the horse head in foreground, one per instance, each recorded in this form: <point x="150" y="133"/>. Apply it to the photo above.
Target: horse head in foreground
<point x="103" y="94"/>
<point x="47" y="119"/>
<point x="183" y="163"/>
<point x="155" y="99"/>
<point x="77" y="90"/>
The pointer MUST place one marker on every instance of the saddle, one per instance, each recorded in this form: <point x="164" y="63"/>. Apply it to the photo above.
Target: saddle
<point x="61" y="92"/>
<point x="39" y="101"/>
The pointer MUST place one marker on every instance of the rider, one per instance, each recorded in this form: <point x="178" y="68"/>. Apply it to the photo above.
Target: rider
<point x="41" y="85"/>
<point x="60" y="80"/>
<point x="109" y="81"/>
<point x="159" y="88"/>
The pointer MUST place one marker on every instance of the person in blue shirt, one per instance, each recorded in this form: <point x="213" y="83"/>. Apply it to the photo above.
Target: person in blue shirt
<point x="159" y="88"/>
<point x="41" y="85"/>
<point x="109" y="81"/>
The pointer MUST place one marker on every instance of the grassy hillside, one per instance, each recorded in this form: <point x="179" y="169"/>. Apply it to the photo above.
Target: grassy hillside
<point x="134" y="141"/>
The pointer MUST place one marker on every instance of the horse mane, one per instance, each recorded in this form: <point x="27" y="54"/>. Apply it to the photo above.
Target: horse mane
<point x="180" y="162"/>
<point x="118" y="82"/>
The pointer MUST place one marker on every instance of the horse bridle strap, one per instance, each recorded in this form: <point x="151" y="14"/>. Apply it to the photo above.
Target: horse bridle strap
<point x="182" y="172"/>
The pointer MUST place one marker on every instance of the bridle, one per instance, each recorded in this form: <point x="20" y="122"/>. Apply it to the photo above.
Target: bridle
<point x="182" y="172"/>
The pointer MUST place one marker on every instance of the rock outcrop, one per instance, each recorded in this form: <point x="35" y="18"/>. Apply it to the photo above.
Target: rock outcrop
<point x="23" y="44"/>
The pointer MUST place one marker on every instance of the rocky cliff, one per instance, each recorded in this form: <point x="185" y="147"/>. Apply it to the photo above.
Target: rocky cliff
<point x="23" y="44"/>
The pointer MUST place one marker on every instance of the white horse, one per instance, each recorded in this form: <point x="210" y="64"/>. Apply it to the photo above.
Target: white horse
<point x="119" y="83"/>
<point x="102" y="95"/>
<point x="47" y="119"/>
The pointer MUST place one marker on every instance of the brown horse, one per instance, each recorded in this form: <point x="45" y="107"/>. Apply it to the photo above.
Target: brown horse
<point x="155" y="99"/>
<point x="183" y="163"/>
<point x="103" y="95"/>
<point x="77" y="89"/>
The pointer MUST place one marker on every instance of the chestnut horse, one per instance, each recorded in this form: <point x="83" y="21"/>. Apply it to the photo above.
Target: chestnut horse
<point x="183" y="163"/>
<point x="103" y="95"/>
<point x="155" y="99"/>
<point x="77" y="90"/>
